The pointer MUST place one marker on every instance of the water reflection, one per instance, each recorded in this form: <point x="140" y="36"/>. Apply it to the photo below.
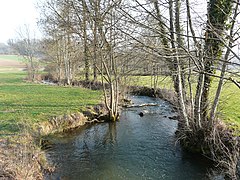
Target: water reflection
<point x="111" y="134"/>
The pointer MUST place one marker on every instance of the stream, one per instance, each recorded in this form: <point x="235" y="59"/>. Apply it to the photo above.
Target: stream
<point x="133" y="148"/>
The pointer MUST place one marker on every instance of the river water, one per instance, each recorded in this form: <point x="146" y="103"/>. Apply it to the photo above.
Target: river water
<point x="133" y="148"/>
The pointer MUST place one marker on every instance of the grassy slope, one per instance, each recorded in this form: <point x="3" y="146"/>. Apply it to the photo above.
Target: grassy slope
<point x="26" y="102"/>
<point x="164" y="82"/>
<point x="229" y="106"/>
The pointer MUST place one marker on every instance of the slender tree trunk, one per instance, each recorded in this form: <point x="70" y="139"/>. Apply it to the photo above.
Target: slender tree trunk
<point x="66" y="59"/>
<point x="32" y="71"/>
<point x="179" y="45"/>
<point x="198" y="97"/>
<point x="95" y="53"/>
<point x="178" y="79"/>
<point x="196" y="105"/>
<point x="86" y="59"/>
<point x="189" y="17"/>
<point x="95" y="39"/>
<point x="174" y="64"/>
<point x="189" y="79"/>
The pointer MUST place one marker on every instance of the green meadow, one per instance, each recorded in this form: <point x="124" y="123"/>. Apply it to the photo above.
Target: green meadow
<point x="229" y="107"/>
<point x="24" y="103"/>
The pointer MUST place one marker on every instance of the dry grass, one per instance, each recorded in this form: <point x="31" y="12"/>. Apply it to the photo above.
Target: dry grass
<point x="20" y="158"/>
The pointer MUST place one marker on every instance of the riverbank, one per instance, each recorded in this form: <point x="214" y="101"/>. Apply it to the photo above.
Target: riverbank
<point x="25" y="111"/>
<point x="22" y="158"/>
<point x="24" y="102"/>
<point x="228" y="110"/>
<point x="49" y="125"/>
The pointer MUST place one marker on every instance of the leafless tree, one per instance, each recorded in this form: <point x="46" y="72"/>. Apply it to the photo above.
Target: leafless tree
<point x="27" y="46"/>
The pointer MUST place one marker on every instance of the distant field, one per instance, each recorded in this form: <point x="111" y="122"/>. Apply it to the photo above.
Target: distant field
<point x="11" y="63"/>
<point x="11" y="57"/>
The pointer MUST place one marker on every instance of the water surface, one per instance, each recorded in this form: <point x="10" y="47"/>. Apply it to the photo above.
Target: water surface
<point x="133" y="148"/>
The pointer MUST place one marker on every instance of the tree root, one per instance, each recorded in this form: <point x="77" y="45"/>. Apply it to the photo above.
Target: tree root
<point x="95" y="121"/>
<point x="217" y="143"/>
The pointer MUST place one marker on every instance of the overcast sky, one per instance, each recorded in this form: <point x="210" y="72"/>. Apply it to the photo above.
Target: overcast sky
<point x="16" y="13"/>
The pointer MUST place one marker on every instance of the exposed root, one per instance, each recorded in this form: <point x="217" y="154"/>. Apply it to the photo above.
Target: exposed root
<point x="224" y="148"/>
<point x="217" y="143"/>
<point x="95" y="121"/>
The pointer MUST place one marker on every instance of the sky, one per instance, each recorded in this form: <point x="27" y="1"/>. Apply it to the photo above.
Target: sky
<point x="14" y="14"/>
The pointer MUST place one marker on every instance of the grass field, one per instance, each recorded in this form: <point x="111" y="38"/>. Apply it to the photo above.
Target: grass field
<point x="26" y="102"/>
<point x="164" y="82"/>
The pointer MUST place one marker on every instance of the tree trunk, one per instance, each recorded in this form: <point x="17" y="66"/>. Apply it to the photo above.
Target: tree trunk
<point x="218" y="13"/>
<point x="95" y="50"/>
<point x="178" y="78"/>
<point x="85" y="53"/>
<point x="224" y="66"/>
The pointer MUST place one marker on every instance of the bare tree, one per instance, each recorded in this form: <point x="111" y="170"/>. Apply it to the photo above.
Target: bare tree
<point x="27" y="46"/>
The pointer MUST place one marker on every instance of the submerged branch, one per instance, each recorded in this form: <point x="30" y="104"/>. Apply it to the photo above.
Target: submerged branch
<point x="140" y="105"/>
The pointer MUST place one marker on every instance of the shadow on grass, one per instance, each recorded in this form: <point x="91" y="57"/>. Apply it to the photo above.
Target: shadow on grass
<point x="10" y="127"/>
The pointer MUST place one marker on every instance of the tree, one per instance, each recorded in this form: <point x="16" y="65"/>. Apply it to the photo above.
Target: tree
<point x="218" y="14"/>
<point x="27" y="46"/>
